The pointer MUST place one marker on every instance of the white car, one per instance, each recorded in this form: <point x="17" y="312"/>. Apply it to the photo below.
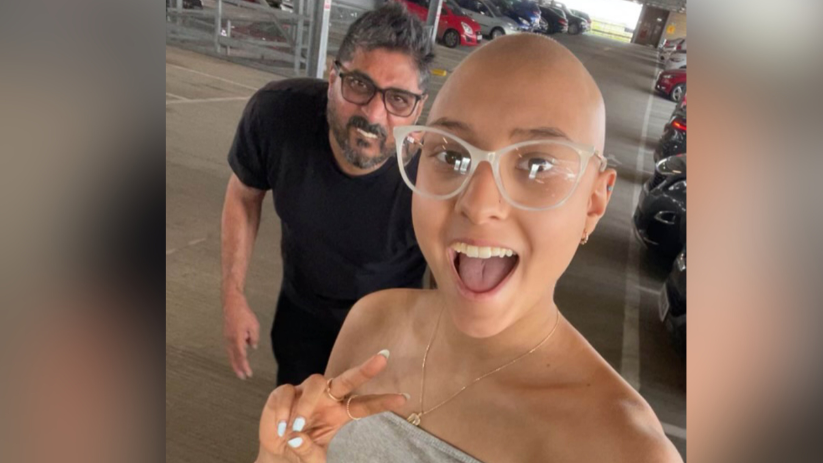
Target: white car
<point x="677" y="60"/>
<point x="672" y="46"/>
<point x="492" y="22"/>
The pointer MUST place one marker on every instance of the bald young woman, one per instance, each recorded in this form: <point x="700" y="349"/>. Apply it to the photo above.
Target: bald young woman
<point x="507" y="377"/>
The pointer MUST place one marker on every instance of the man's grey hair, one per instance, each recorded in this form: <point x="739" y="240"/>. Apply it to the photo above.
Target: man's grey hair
<point x="394" y="28"/>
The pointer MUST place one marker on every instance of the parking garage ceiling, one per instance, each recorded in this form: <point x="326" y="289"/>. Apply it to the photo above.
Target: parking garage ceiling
<point x="671" y="5"/>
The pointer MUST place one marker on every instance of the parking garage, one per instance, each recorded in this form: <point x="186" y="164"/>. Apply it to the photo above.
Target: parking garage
<point x="617" y="291"/>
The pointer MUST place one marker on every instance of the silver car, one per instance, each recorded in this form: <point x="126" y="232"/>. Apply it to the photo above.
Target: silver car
<point x="492" y="22"/>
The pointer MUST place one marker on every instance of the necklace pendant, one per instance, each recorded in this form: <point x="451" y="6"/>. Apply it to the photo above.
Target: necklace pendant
<point x="414" y="419"/>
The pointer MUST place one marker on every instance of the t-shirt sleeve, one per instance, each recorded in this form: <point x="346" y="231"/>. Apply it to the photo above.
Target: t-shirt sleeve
<point x="250" y="154"/>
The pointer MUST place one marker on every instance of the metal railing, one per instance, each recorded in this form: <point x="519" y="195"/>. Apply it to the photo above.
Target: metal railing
<point x="245" y="30"/>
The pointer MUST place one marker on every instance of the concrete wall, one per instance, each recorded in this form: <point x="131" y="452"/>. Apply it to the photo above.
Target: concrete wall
<point x="678" y="20"/>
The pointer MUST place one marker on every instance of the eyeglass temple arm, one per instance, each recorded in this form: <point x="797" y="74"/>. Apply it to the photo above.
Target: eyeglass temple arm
<point x="603" y="162"/>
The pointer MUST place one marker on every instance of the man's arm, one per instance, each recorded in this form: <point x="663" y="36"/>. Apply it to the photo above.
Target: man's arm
<point x="240" y="223"/>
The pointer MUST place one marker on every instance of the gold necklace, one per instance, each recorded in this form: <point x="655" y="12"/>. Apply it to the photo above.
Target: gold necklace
<point x="415" y="418"/>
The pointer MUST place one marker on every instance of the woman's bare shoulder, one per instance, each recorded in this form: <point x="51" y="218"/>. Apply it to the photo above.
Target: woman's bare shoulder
<point x="608" y="420"/>
<point x="590" y="413"/>
<point x="629" y="430"/>
<point x="371" y="325"/>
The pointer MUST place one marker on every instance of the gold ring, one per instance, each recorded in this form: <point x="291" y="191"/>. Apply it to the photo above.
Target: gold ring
<point x="348" y="411"/>
<point x="328" y="392"/>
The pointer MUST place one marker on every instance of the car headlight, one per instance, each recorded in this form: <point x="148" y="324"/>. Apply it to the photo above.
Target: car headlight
<point x="467" y="29"/>
<point x="678" y="186"/>
<point x="523" y="21"/>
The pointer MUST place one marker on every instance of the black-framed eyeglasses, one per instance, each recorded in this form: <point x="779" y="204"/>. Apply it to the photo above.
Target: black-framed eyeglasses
<point x="359" y="89"/>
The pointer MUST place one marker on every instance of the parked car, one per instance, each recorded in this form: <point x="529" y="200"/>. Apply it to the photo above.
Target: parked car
<point x="577" y="24"/>
<point x="493" y="23"/>
<point x="669" y="46"/>
<point x="677" y="60"/>
<point x="673" y="140"/>
<point x="672" y="303"/>
<point x="662" y="206"/>
<point x="556" y="21"/>
<point x="679" y="110"/>
<point x="526" y="14"/>
<point x="454" y="27"/>
<point x="672" y="84"/>
<point x="584" y="16"/>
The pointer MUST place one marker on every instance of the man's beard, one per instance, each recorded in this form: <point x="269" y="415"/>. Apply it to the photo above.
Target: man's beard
<point x="352" y="153"/>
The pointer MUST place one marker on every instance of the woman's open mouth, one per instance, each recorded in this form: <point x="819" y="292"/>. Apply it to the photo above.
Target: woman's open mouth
<point x="481" y="270"/>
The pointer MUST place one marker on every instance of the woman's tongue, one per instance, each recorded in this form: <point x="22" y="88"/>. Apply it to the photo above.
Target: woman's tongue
<point x="481" y="275"/>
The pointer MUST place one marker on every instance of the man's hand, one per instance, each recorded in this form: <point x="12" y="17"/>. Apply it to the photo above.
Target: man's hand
<point x="240" y="329"/>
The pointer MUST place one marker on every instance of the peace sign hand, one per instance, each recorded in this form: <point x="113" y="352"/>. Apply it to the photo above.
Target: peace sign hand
<point x="298" y="423"/>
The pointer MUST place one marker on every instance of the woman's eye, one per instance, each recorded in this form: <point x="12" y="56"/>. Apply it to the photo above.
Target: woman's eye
<point x="539" y="166"/>
<point x="454" y="159"/>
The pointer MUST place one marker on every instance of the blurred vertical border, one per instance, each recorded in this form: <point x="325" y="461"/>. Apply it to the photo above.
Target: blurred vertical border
<point x="82" y="214"/>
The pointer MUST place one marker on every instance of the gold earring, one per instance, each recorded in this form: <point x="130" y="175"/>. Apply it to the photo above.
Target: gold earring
<point x="585" y="238"/>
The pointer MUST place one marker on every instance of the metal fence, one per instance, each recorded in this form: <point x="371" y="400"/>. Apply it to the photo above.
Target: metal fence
<point x="275" y="39"/>
<point x="244" y="30"/>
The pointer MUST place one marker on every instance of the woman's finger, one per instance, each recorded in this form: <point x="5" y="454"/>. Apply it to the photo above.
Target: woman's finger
<point x="281" y="402"/>
<point x="355" y="377"/>
<point x="301" y="445"/>
<point x="363" y="406"/>
<point x="311" y="390"/>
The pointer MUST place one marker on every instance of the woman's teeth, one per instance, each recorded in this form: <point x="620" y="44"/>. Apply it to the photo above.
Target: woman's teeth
<point x="482" y="252"/>
<point x="367" y="134"/>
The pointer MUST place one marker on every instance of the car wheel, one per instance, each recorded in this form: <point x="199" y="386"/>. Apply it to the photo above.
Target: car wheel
<point x="574" y="29"/>
<point x="497" y="32"/>
<point x="451" y="38"/>
<point x="677" y="93"/>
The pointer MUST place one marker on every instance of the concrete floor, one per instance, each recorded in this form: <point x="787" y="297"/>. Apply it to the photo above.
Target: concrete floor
<point x="609" y="292"/>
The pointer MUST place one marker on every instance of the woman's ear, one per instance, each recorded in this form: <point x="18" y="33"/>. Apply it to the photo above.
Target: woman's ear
<point x="600" y="197"/>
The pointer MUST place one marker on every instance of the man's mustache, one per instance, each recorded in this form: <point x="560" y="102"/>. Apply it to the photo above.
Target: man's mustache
<point x="361" y="123"/>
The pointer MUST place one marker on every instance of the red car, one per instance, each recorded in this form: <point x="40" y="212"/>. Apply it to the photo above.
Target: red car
<point x="672" y="84"/>
<point x="454" y="28"/>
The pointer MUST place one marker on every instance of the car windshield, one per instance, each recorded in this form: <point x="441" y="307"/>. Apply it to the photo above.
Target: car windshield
<point x="502" y="5"/>
<point x="493" y="8"/>
<point x="455" y="8"/>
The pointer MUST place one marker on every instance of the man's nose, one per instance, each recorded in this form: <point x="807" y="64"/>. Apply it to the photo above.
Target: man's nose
<point x="375" y="110"/>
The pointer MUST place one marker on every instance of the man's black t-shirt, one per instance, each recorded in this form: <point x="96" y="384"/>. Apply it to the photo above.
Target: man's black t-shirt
<point x="343" y="237"/>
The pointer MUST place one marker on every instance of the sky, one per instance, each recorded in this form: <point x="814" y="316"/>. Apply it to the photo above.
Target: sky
<point x="615" y="11"/>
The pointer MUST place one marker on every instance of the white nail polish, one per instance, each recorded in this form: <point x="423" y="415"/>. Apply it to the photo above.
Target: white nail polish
<point x="296" y="442"/>
<point x="384" y="353"/>
<point x="281" y="428"/>
<point x="298" y="425"/>
<point x="407" y="396"/>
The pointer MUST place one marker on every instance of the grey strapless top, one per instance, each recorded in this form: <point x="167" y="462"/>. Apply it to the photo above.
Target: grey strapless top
<point x="388" y="438"/>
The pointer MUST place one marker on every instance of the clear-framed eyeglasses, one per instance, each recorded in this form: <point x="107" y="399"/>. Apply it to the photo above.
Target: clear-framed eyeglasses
<point x="534" y="175"/>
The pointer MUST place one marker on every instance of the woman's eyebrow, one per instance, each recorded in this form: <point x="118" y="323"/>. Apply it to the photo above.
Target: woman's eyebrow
<point x="540" y="132"/>
<point x="447" y="123"/>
